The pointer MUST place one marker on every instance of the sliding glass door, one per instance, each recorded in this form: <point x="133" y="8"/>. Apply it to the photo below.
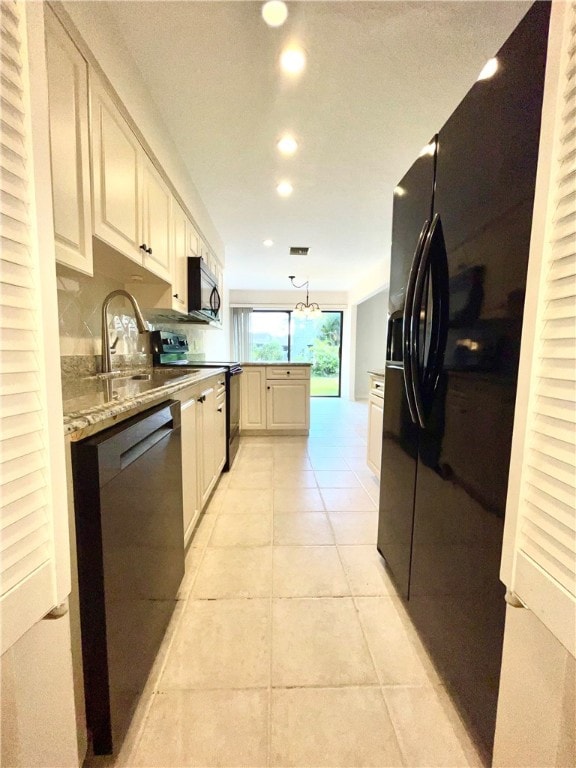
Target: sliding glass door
<point x="282" y="335"/>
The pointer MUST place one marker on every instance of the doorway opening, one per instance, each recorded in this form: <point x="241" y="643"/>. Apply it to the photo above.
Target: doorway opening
<point x="283" y="336"/>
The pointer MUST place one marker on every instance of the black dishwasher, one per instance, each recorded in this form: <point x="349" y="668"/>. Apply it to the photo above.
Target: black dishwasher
<point x="130" y="548"/>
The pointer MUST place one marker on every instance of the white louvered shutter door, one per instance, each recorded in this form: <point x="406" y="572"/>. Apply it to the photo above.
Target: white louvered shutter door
<point x="544" y="571"/>
<point x="27" y="553"/>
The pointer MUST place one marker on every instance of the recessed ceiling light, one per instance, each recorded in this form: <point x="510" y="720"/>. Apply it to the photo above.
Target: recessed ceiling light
<point x="489" y="69"/>
<point x="284" y="189"/>
<point x="268" y="243"/>
<point x="287" y="145"/>
<point x="292" y="60"/>
<point x="274" y="13"/>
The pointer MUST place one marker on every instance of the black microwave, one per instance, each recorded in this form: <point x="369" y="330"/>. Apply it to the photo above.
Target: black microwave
<point x="204" y="301"/>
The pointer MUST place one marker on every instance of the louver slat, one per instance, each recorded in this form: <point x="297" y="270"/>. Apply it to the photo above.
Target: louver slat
<point x="545" y="564"/>
<point x="26" y="531"/>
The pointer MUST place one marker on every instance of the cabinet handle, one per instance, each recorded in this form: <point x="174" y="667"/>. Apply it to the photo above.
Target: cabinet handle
<point x="175" y="296"/>
<point x="220" y="409"/>
<point x="287" y="373"/>
<point x="201" y="399"/>
<point x="222" y="383"/>
<point x="149" y="250"/>
<point x="268" y="387"/>
<point x="143" y="247"/>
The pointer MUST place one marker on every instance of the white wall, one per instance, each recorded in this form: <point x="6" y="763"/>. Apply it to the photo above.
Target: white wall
<point x="371" y="282"/>
<point x="38" y="714"/>
<point x="536" y="721"/>
<point x="287" y="299"/>
<point x="371" y="328"/>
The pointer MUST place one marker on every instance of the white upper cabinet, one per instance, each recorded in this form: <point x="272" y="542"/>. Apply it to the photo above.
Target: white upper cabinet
<point x="133" y="207"/>
<point x="116" y="156"/>
<point x="156" y="220"/>
<point x="179" y="262"/>
<point x="69" y="148"/>
<point x="193" y="241"/>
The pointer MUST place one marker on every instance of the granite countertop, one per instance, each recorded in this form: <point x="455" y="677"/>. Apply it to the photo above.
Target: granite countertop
<point x="283" y="364"/>
<point x="93" y="403"/>
<point x="380" y="372"/>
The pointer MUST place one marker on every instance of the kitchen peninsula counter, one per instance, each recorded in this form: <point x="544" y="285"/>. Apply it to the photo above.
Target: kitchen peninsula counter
<point x="281" y="364"/>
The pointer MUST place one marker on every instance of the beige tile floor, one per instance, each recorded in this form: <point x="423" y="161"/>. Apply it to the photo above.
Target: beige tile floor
<point x="288" y="646"/>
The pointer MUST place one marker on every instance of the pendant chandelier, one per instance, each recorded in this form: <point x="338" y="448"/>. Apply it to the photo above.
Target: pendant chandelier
<point x="308" y="309"/>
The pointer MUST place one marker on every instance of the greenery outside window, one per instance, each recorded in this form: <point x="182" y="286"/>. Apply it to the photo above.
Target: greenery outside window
<point x="282" y="336"/>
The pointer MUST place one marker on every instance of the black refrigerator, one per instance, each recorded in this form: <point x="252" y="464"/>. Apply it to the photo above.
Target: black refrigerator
<point x="461" y="231"/>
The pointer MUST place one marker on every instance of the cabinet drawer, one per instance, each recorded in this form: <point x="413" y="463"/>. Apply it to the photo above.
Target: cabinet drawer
<point x="279" y="372"/>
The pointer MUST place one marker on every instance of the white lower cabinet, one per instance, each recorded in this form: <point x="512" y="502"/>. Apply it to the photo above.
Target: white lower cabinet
<point x="220" y="434"/>
<point x="375" y="424"/>
<point x="253" y="398"/>
<point x="276" y="399"/>
<point x="206" y="428"/>
<point x="287" y="404"/>
<point x="190" y="498"/>
<point x="203" y="432"/>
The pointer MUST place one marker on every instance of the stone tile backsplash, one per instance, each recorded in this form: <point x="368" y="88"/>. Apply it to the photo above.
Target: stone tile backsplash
<point x="80" y="300"/>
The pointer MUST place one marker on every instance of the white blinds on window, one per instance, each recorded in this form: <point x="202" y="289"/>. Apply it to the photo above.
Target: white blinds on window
<point x="26" y="530"/>
<point x="545" y="565"/>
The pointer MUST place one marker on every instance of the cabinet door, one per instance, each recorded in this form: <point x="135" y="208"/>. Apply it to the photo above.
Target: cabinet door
<point x="288" y="404"/>
<point x="69" y="148"/>
<point x="253" y="398"/>
<point x="116" y="175"/>
<point x="207" y="412"/>
<point x="156" y="210"/>
<point x="375" y="426"/>
<point x="220" y="434"/>
<point x="179" y="259"/>
<point x="193" y="240"/>
<point x="190" y="499"/>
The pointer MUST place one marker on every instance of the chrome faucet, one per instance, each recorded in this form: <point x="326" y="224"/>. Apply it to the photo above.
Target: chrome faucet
<point x="140" y="323"/>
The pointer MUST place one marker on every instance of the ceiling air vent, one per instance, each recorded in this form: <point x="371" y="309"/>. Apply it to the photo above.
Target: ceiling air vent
<point x="294" y="251"/>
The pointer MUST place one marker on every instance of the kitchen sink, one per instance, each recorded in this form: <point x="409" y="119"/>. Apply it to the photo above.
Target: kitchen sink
<point x="103" y="388"/>
<point x="159" y="375"/>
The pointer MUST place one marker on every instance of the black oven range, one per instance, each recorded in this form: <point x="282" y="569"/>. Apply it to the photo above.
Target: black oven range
<point x="171" y="349"/>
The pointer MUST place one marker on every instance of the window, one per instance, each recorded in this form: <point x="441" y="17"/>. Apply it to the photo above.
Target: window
<point x="282" y="336"/>
<point x="269" y="336"/>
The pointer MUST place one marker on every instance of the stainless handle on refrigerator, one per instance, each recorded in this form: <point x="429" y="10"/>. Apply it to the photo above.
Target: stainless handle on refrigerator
<point x="433" y="262"/>
<point x="407" y="325"/>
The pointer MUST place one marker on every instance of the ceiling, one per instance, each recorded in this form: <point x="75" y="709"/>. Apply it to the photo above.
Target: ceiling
<point x="381" y="78"/>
